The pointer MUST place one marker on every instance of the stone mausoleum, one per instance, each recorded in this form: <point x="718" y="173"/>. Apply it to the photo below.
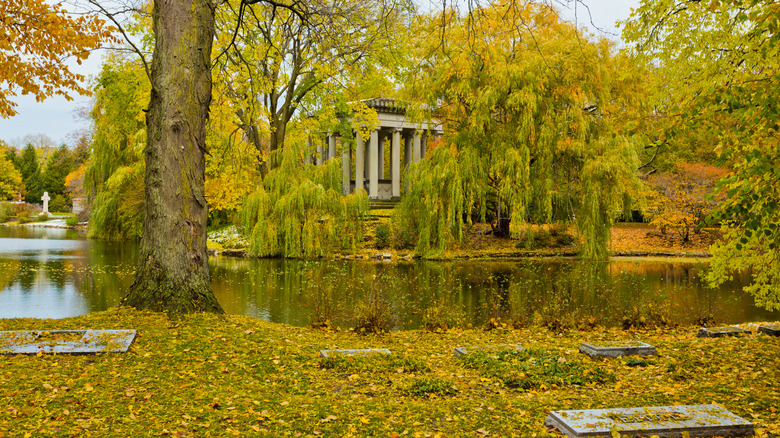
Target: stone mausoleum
<point x="375" y="163"/>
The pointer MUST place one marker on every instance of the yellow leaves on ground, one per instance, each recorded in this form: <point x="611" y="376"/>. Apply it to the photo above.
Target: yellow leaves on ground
<point x="173" y="381"/>
<point x="35" y="38"/>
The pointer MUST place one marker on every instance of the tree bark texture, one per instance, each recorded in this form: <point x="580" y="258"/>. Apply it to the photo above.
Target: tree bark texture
<point x="173" y="273"/>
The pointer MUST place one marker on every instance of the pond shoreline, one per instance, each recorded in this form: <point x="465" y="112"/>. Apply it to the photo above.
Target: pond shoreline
<point x="520" y="255"/>
<point x="504" y="253"/>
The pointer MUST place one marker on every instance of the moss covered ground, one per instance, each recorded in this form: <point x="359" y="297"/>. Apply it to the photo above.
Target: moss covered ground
<point x="209" y="375"/>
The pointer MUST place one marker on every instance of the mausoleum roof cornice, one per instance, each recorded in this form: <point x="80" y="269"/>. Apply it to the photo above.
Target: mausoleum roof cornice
<point x="386" y="105"/>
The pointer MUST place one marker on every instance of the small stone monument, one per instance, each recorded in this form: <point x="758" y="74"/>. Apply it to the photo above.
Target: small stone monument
<point x="358" y="352"/>
<point x="462" y="351"/>
<point x="661" y="421"/>
<point x="45" y="198"/>
<point x="719" y="332"/>
<point x="770" y="329"/>
<point x="616" y="349"/>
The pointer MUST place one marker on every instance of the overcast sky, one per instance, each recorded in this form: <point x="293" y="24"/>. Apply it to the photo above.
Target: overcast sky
<point x="57" y="117"/>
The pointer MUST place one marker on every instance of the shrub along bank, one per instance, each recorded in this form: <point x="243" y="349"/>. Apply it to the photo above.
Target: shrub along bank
<point x="208" y="375"/>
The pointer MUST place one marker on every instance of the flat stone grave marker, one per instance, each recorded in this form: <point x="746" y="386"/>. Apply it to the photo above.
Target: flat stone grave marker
<point x="719" y="332"/>
<point x="462" y="351"/>
<point x="770" y="329"/>
<point x="358" y="352"/>
<point x="617" y="348"/>
<point x="663" y="421"/>
<point x="66" y="341"/>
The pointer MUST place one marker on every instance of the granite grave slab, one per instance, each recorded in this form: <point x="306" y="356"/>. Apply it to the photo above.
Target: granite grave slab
<point x="357" y="352"/>
<point x="770" y="329"/>
<point x="461" y="351"/>
<point x="66" y="341"/>
<point x="663" y="421"/>
<point x="616" y="349"/>
<point x="719" y="332"/>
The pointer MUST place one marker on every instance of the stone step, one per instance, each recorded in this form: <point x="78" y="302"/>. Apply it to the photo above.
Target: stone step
<point x="378" y="205"/>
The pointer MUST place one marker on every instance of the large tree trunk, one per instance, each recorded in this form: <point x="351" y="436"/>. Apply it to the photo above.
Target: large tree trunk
<point x="276" y="141"/>
<point x="173" y="273"/>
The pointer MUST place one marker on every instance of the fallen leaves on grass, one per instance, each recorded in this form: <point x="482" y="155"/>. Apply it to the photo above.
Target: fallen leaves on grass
<point x="206" y="377"/>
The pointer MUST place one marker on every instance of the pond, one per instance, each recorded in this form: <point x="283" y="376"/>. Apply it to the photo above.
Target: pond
<point x="57" y="273"/>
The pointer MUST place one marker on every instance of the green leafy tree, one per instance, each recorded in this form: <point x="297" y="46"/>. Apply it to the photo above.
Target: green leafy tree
<point x="299" y="211"/>
<point x="532" y="109"/>
<point x="723" y="61"/>
<point x="113" y="178"/>
<point x="59" y="164"/>
<point x="27" y="163"/>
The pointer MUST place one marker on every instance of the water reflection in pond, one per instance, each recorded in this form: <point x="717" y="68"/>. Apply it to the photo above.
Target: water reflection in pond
<point x="56" y="273"/>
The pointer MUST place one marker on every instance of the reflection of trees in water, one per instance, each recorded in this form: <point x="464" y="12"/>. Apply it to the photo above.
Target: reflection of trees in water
<point x="297" y="292"/>
<point x="9" y="271"/>
<point x="28" y="274"/>
<point x="103" y="272"/>
<point x="54" y="268"/>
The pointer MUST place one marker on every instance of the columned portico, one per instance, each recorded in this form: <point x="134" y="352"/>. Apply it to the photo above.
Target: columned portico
<point x="395" y="138"/>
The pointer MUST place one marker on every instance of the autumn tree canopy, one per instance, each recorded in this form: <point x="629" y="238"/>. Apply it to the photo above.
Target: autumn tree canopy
<point x="272" y="61"/>
<point x="531" y="108"/>
<point x="36" y="38"/>
<point x="723" y="62"/>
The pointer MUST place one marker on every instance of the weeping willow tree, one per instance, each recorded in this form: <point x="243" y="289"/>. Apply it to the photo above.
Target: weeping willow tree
<point x="299" y="211"/>
<point x="113" y="179"/>
<point x="532" y="109"/>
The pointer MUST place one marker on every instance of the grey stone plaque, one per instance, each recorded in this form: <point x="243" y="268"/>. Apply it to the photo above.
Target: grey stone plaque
<point x="663" y="421"/>
<point x="719" y="332"/>
<point x="461" y="351"/>
<point x="770" y="329"/>
<point x="360" y="352"/>
<point x="615" y="349"/>
<point x="66" y="341"/>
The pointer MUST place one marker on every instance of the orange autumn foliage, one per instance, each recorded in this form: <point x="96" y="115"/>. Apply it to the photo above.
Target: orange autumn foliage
<point x="35" y="40"/>
<point x="680" y="199"/>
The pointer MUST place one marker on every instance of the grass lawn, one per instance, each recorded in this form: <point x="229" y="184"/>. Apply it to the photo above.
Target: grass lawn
<point x="238" y="376"/>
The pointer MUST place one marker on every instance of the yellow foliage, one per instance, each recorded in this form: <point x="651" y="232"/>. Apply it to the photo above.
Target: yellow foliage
<point x="35" y="38"/>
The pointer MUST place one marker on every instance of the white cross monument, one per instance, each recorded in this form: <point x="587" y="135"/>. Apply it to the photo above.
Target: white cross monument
<point x="45" y="198"/>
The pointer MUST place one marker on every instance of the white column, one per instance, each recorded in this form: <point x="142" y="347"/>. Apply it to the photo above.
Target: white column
<point x="381" y="159"/>
<point x="319" y="154"/>
<point x="373" y="163"/>
<point x="366" y="163"/>
<point x="407" y="150"/>
<point x="395" y="164"/>
<point x="359" y="162"/>
<point x="416" y="147"/>
<point x="331" y="146"/>
<point x="424" y="145"/>
<point x="345" y="153"/>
